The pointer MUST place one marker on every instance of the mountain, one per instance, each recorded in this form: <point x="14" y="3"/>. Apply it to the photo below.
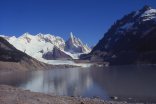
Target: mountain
<point x="75" y="45"/>
<point x="37" y="45"/>
<point x="13" y="59"/>
<point x="46" y="46"/>
<point x="130" y="40"/>
<point x="56" y="53"/>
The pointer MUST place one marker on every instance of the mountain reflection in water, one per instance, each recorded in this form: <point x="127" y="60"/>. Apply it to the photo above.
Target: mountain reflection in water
<point x="127" y="81"/>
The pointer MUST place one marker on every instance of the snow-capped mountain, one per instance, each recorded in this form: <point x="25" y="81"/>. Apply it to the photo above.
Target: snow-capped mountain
<point x="75" y="45"/>
<point x="13" y="59"/>
<point x="130" y="40"/>
<point x="43" y="46"/>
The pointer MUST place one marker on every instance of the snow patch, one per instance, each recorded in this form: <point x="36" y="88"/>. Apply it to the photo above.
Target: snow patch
<point x="149" y="14"/>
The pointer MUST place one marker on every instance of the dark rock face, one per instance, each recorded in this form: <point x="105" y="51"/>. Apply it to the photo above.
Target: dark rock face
<point x="56" y="54"/>
<point x="10" y="53"/>
<point x="130" y="40"/>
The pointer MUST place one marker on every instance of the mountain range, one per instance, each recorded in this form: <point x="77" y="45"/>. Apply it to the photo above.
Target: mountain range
<point x="48" y="47"/>
<point x="13" y="59"/>
<point x="130" y="40"/>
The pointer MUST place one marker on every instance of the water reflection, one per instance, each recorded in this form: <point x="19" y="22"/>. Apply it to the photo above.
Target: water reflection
<point x="71" y="82"/>
<point x="127" y="81"/>
<point x="15" y="79"/>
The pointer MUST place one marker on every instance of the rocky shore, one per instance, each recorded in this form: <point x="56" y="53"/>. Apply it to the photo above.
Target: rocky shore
<point x="12" y="95"/>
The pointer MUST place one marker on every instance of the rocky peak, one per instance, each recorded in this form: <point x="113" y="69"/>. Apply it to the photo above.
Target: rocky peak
<point x="71" y="35"/>
<point x="145" y="8"/>
<point x="74" y="40"/>
<point x="75" y="45"/>
<point x="25" y="35"/>
<point x="132" y="35"/>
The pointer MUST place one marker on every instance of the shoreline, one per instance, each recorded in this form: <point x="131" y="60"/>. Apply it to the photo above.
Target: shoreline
<point x="13" y="95"/>
<point x="22" y="66"/>
<point x="7" y="91"/>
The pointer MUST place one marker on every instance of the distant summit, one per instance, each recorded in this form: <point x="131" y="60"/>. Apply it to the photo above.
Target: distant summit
<point x="75" y="45"/>
<point x="146" y="7"/>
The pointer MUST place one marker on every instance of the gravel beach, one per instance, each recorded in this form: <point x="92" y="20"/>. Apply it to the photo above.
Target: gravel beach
<point x="12" y="95"/>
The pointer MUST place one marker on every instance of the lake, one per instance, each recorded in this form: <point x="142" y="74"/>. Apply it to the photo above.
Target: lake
<point x="127" y="82"/>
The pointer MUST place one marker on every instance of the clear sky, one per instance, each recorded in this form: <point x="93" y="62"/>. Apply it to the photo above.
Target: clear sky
<point x="87" y="19"/>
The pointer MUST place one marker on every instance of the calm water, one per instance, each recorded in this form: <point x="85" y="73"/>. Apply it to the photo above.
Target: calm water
<point x="127" y="81"/>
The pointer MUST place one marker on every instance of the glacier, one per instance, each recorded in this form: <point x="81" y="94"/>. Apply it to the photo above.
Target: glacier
<point x="38" y="45"/>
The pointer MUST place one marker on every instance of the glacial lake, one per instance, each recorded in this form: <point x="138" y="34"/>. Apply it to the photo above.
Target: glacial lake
<point x="103" y="82"/>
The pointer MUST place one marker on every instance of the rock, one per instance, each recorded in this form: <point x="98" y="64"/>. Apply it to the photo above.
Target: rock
<point x="56" y="54"/>
<point x="75" y="45"/>
<point x="114" y="97"/>
<point x="19" y="96"/>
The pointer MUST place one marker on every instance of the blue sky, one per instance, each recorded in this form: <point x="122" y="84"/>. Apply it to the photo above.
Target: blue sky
<point x="87" y="19"/>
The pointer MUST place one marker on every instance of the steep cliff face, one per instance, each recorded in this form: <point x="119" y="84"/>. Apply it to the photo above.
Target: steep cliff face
<point x="130" y="40"/>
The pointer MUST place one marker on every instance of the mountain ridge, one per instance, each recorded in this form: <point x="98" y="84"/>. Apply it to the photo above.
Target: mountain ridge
<point x="40" y="44"/>
<point x="130" y="40"/>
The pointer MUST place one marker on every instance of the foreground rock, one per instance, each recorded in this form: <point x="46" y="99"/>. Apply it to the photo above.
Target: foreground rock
<point x="11" y="95"/>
